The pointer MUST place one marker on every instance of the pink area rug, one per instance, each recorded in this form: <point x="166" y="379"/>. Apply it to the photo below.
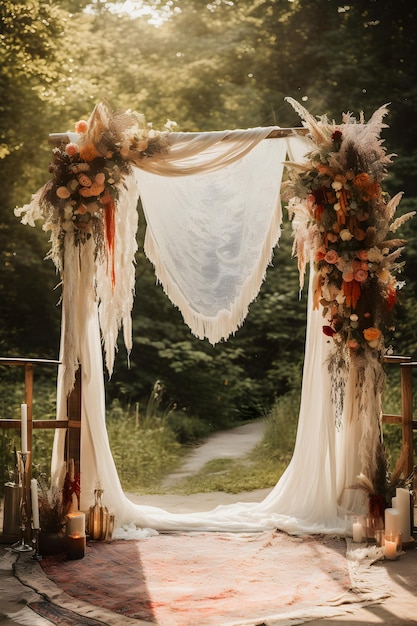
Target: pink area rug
<point x="203" y="579"/>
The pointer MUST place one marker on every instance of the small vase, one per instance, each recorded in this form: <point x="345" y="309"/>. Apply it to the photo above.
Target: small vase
<point x="98" y="517"/>
<point x="51" y="543"/>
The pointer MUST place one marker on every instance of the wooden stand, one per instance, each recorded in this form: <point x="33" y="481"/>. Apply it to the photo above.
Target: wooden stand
<point x="72" y="423"/>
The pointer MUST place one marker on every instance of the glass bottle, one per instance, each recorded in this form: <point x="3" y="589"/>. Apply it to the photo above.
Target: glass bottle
<point x="98" y="517"/>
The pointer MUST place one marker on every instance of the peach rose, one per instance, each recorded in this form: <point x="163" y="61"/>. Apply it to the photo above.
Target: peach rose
<point x="96" y="189"/>
<point x="81" y="126"/>
<point x="331" y="257"/>
<point x="361" y="180"/>
<point x="84" y="180"/>
<point x="100" y="178"/>
<point x="71" y="149"/>
<point x="63" y="193"/>
<point x="361" y="275"/>
<point x="371" y="333"/>
<point x="85" y="192"/>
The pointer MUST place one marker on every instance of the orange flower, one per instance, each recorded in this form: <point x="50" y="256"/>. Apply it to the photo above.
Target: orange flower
<point x="352" y="292"/>
<point x="325" y="169"/>
<point x="71" y="149"/>
<point x="331" y="257"/>
<point x="391" y="297"/>
<point x="361" y="275"/>
<point x="81" y="126"/>
<point x="353" y="344"/>
<point x="366" y="184"/>
<point x="371" y="333"/>
<point x="84" y="180"/>
<point x="361" y="180"/>
<point x="89" y="152"/>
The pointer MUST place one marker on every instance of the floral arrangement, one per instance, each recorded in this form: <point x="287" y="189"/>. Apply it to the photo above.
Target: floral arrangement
<point x="55" y="503"/>
<point x="342" y="216"/>
<point x="343" y="222"/>
<point x="86" y="174"/>
<point x="52" y="510"/>
<point x="89" y="207"/>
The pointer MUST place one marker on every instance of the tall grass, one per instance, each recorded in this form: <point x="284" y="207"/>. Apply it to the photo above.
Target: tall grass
<point x="262" y="467"/>
<point x="147" y="445"/>
<point x="144" y="450"/>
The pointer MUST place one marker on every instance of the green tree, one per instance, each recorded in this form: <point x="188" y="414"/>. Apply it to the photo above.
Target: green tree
<point x="208" y="66"/>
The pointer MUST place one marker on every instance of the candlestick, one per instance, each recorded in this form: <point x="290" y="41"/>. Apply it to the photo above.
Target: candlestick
<point x="24" y="427"/>
<point x="37" y="556"/>
<point x="22" y="546"/>
<point x="35" y="502"/>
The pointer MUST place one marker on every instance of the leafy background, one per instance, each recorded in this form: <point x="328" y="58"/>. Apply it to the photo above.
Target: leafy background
<point x="208" y="66"/>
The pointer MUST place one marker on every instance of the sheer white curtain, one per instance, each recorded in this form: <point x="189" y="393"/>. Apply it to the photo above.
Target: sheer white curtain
<point x="211" y="236"/>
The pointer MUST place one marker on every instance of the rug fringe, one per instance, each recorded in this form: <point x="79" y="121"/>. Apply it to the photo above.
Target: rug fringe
<point x="26" y="617"/>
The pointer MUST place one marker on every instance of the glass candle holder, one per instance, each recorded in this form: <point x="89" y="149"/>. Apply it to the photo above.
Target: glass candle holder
<point x="358" y="529"/>
<point x="393" y="544"/>
<point x="380" y="537"/>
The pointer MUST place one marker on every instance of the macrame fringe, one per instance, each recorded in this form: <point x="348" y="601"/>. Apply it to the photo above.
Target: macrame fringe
<point x="226" y="322"/>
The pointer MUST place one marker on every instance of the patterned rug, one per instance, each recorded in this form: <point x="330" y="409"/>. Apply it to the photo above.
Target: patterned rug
<point x="195" y="579"/>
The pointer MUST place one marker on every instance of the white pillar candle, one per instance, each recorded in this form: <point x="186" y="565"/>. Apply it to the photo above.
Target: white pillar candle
<point x="392" y="520"/>
<point x="24" y="427"/>
<point x="35" y="503"/>
<point x="357" y="531"/>
<point x="76" y="524"/>
<point x="403" y="507"/>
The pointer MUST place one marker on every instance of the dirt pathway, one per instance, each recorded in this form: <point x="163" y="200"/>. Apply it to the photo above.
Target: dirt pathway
<point x="227" y="444"/>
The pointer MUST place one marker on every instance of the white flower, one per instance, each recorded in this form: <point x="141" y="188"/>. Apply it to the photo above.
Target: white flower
<point x="340" y="298"/>
<point x="170" y="124"/>
<point x="337" y="185"/>
<point x="345" y="235"/>
<point x="354" y="317"/>
<point x="375" y="255"/>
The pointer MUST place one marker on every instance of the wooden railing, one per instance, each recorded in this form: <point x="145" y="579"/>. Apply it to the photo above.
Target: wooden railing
<point x="405" y="419"/>
<point x="72" y="422"/>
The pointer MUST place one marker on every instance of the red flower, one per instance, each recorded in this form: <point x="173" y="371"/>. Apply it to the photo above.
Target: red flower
<point x="337" y="136"/>
<point x="391" y="297"/>
<point x="328" y="331"/>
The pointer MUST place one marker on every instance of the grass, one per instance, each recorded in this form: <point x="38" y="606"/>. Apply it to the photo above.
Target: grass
<point x="146" y="448"/>
<point x="261" y="468"/>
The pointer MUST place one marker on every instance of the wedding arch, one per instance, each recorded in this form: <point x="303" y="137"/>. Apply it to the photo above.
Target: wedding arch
<point x="212" y="203"/>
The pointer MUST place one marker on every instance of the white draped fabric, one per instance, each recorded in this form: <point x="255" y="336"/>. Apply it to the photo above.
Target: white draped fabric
<point x="211" y="236"/>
